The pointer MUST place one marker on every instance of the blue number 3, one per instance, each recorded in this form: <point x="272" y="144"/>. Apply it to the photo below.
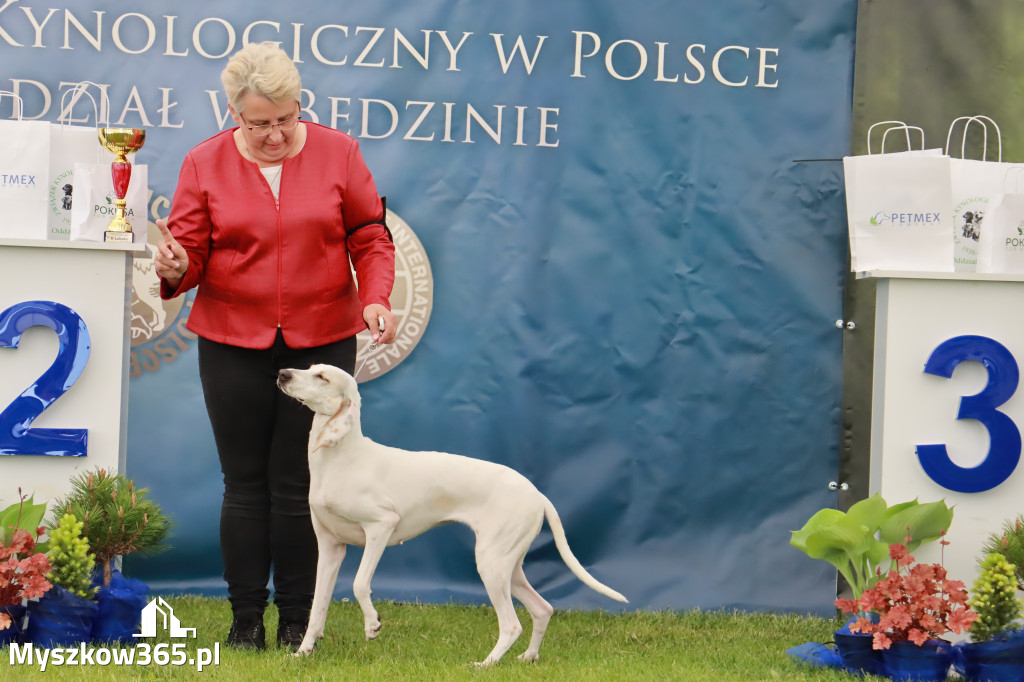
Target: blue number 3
<point x="1004" y="437"/>
<point x="16" y="438"/>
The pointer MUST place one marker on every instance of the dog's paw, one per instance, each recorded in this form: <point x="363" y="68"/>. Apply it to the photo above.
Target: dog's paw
<point x="372" y="629"/>
<point x="303" y="650"/>
<point x="528" y="656"/>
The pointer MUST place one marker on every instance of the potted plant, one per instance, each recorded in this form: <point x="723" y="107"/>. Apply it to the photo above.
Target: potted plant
<point x="995" y="652"/>
<point x="118" y="519"/>
<point x="1010" y="543"/>
<point x="857" y="544"/>
<point x="917" y="604"/>
<point x="65" y="615"/>
<point x="23" y="567"/>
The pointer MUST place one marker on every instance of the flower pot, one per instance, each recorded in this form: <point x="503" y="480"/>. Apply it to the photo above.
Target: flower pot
<point x="908" y="662"/>
<point x="120" y="606"/>
<point x="1000" y="659"/>
<point x="60" y="619"/>
<point x="12" y="634"/>
<point x="856" y="650"/>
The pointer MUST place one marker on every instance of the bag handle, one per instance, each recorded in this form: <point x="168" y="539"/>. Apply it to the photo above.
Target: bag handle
<point x="983" y="121"/>
<point x="882" y="123"/>
<point x="1006" y="177"/>
<point x="21" y="102"/>
<point x="79" y="89"/>
<point x="907" y="129"/>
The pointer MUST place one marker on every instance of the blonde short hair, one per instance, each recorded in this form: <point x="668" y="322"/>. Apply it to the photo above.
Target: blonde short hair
<point x="261" y="69"/>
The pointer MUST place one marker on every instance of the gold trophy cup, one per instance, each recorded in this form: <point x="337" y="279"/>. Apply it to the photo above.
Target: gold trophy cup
<point x="121" y="141"/>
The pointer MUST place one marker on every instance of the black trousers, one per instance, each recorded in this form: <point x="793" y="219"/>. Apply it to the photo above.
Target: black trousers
<point x="261" y="436"/>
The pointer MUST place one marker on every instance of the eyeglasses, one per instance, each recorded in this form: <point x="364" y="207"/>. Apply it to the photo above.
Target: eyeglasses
<point x="264" y="130"/>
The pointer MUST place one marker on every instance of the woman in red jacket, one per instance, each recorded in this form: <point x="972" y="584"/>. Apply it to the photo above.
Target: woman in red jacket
<point x="264" y="221"/>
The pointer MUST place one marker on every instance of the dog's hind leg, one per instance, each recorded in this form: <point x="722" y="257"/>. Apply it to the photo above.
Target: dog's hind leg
<point x="331" y="554"/>
<point x="540" y="611"/>
<point x="497" y="582"/>
<point x="377" y="536"/>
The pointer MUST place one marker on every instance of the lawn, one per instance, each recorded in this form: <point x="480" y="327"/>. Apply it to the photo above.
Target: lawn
<point x="420" y="643"/>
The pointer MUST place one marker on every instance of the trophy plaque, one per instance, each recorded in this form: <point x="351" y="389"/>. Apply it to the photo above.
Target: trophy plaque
<point x="121" y="142"/>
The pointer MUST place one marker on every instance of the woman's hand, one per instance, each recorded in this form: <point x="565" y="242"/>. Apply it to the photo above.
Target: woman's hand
<point x="171" y="260"/>
<point x="373" y="314"/>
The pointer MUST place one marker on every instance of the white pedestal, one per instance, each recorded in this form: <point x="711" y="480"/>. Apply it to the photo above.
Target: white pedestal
<point x="94" y="281"/>
<point x="916" y="313"/>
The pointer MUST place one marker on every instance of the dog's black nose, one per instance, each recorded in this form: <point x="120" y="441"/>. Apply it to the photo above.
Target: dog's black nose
<point x="284" y="376"/>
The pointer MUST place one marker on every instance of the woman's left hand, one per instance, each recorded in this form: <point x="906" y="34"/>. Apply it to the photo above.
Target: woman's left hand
<point x="373" y="314"/>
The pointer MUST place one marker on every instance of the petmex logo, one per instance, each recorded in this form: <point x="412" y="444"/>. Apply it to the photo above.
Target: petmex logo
<point x="899" y="218"/>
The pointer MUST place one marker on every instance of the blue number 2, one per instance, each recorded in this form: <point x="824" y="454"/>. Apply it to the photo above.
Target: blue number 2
<point x="1004" y="437"/>
<point x="16" y="438"/>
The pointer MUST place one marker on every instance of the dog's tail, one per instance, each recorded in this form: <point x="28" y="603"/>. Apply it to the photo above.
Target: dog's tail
<point x="570" y="559"/>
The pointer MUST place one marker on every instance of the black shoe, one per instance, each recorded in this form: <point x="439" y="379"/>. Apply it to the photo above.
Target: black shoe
<point x="247" y="632"/>
<point x="290" y="633"/>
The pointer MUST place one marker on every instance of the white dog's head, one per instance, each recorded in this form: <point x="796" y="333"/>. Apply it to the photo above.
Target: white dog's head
<point x="328" y="391"/>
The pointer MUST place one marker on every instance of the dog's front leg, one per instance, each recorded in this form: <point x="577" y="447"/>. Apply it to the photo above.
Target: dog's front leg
<point x="377" y="536"/>
<point x="332" y="553"/>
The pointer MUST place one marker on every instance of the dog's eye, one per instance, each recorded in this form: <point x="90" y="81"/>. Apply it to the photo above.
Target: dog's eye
<point x="320" y="377"/>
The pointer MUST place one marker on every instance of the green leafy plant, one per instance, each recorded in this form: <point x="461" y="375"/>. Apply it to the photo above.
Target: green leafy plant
<point x="117" y="519"/>
<point x="916" y="602"/>
<point x="995" y="599"/>
<point x="23" y="567"/>
<point x="24" y="514"/>
<point x="857" y="542"/>
<point x="71" y="563"/>
<point x="1010" y="543"/>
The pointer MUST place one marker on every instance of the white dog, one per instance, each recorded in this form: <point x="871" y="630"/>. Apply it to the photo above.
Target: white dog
<point x="363" y="493"/>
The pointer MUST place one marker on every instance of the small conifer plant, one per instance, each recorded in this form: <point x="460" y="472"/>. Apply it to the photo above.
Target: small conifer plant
<point x="117" y="518"/>
<point x="70" y="560"/>
<point x="994" y="599"/>
<point x="1010" y="543"/>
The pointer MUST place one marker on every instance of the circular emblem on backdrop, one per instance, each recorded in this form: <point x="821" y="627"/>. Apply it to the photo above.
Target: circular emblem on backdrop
<point x="412" y="301"/>
<point x="150" y="314"/>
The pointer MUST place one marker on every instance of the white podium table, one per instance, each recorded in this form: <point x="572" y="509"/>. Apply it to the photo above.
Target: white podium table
<point x="64" y="342"/>
<point x="967" y="331"/>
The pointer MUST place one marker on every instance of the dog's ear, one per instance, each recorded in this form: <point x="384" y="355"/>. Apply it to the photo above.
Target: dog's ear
<point x="335" y="428"/>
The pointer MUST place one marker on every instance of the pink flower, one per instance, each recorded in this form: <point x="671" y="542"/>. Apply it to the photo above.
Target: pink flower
<point x="961" y="619"/>
<point x="918" y="637"/>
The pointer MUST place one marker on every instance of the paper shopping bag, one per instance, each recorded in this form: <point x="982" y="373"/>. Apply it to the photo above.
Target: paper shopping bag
<point x="24" y="160"/>
<point x="1002" y="246"/>
<point x="899" y="208"/>
<point x="93" y="208"/>
<point x="975" y="185"/>
<point x="68" y="145"/>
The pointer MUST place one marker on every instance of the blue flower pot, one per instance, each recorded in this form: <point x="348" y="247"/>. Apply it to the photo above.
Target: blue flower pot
<point x="998" y="660"/>
<point x="12" y="634"/>
<point x="908" y="662"/>
<point x="857" y="654"/>
<point x="119" y="609"/>
<point x="856" y="650"/>
<point x="60" y="619"/>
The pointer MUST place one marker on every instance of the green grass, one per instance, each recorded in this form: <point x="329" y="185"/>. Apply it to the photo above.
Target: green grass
<point x="420" y="643"/>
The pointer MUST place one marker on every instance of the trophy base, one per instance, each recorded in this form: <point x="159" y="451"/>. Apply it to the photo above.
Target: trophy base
<point x="118" y="237"/>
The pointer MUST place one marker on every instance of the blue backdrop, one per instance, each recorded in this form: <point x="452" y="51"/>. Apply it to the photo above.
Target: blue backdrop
<point x="636" y="273"/>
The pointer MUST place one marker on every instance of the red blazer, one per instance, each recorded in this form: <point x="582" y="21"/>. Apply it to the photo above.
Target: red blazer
<point x="259" y="267"/>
